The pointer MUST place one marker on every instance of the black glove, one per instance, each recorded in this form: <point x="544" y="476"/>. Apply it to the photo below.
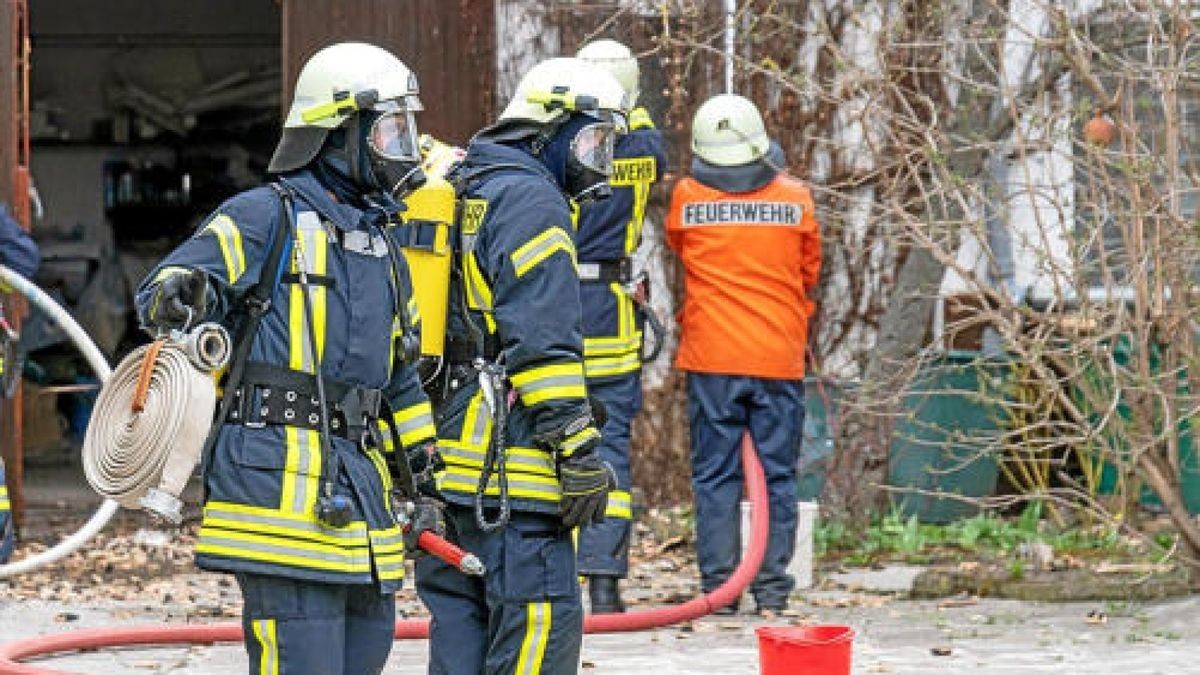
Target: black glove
<point x="586" y="480"/>
<point x="426" y="515"/>
<point x="180" y="302"/>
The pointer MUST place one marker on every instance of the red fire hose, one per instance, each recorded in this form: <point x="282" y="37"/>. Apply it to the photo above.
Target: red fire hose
<point x="97" y="638"/>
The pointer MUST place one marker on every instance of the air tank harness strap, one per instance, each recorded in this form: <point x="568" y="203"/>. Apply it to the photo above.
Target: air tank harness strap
<point x="607" y="271"/>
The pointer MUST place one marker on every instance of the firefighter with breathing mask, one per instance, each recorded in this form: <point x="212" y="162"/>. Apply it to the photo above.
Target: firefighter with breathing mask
<point x="298" y="484"/>
<point x="520" y="475"/>
<point x="612" y="299"/>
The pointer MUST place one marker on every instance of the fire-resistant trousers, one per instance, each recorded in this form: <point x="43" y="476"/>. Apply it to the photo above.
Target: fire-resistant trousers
<point x="720" y="408"/>
<point x="295" y="627"/>
<point x="6" y="520"/>
<point x="524" y="616"/>
<point x="604" y="547"/>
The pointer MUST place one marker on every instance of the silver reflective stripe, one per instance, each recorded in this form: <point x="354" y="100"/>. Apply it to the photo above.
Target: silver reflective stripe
<point x="589" y="271"/>
<point x="349" y="557"/>
<point x="414" y="424"/>
<point x="549" y="240"/>
<point x="309" y="226"/>
<point x="537" y="465"/>
<point x="304" y="456"/>
<point x="351" y="532"/>
<point x="482" y="418"/>
<point x="472" y="477"/>
<point x="541" y="383"/>
<point x="386" y="539"/>
<point x="537" y="633"/>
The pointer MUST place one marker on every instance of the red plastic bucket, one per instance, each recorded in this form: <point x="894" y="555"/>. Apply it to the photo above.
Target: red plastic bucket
<point x="805" y="650"/>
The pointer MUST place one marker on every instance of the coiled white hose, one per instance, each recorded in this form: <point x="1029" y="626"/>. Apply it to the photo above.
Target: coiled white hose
<point x="150" y="421"/>
<point x="99" y="365"/>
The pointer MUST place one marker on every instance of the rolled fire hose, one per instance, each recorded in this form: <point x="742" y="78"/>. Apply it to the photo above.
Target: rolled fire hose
<point x="91" y="353"/>
<point x="12" y="653"/>
<point x="151" y="418"/>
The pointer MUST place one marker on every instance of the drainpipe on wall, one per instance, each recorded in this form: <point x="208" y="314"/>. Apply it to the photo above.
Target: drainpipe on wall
<point x="730" y="35"/>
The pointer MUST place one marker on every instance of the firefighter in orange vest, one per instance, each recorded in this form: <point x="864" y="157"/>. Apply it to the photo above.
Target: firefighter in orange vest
<point x="748" y="239"/>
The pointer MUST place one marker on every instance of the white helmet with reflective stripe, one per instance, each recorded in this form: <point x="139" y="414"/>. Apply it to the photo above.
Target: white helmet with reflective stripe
<point x="336" y="82"/>
<point x="618" y="60"/>
<point x="557" y="87"/>
<point x="728" y="131"/>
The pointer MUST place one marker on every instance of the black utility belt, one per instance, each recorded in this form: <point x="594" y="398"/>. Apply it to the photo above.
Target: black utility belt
<point x="281" y="396"/>
<point x="607" y="271"/>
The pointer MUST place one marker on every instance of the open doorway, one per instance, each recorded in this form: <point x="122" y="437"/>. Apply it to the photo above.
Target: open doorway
<point x="144" y="117"/>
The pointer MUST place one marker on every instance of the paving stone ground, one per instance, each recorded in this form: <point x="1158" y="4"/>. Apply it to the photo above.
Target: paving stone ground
<point x="893" y="636"/>
<point x="984" y="637"/>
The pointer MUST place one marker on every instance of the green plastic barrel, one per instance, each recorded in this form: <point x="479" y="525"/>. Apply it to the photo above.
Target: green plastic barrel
<point x="1189" y="462"/>
<point x="822" y="399"/>
<point x="948" y="437"/>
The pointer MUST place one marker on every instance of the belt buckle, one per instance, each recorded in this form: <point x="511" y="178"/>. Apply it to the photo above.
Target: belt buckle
<point x="248" y="409"/>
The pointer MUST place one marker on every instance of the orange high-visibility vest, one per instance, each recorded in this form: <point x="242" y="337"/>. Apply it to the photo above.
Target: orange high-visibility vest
<point x="748" y="258"/>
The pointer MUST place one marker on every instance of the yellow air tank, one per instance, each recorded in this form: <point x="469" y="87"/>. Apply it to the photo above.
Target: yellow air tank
<point x="428" y="216"/>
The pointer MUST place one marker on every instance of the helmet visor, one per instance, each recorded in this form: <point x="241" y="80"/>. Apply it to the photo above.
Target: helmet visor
<point x="593" y="147"/>
<point x="393" y="137"/>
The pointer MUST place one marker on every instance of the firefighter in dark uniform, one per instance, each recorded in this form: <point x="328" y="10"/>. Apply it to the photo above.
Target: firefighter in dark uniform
<point x="19" y="253"/>
<point x="609" y="233"/>
<point x="298" y="488"/>
<point x="518" y="289"/>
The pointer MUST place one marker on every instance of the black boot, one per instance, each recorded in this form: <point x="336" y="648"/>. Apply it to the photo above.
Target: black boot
<point x="606" y="595"/>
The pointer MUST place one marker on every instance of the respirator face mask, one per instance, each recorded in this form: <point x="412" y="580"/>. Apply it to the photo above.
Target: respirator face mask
<point x="394" y="155"/>
<point x="589" y="163"/>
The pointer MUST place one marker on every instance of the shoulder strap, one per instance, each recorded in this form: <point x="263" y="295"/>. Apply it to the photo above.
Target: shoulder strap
<point x="257" y="303"/>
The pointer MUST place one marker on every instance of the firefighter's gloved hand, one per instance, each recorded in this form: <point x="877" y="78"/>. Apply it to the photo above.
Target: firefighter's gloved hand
<point x="181" y="301"/>
<point x="586" y="480"/>
<point x="424" y="461"/>
<point x="427" y="514"/>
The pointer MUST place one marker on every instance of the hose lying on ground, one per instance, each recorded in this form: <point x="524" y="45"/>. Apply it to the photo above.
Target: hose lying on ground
<point x="756" y="490"/>
<point x="99" y="365"/>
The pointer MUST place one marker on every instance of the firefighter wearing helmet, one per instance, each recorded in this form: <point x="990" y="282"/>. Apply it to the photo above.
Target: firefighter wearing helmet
<point x="306" y="276"/>
<point x="613" y="300"/>
<point x="749" y="243"/>
<point x="519" y="478"/>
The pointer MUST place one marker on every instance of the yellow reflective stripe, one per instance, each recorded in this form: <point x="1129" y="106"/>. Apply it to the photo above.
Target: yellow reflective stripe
<point x="302" y="525"/>
<point x="541" y="247"/>
<point x="168" y="271"/>
<point x="458" y="479"/>
<point x="230" y="240"/>
<point x="313" y="246"/>
<point x="302" y="469"/>
<point x="477" y="423"/>
<point x="479" y="293"/>
<point x="268" y="646"/>
<point x="578" y="440"/>
<point x="556" y="381"/>
<point x="275" y="555"/>
<point x="523" y="460"/>
<point x="620" y="505"/>
<point x="612" y="365"/>
<point x="415" y="423"/>
<point x="385" y="476"/>
<point x="633" y="230"/>
<point x="639" y="118"/>
<point x="537" y="634"/>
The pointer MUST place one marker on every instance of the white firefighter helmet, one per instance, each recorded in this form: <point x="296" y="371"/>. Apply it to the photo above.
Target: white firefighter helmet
<point x="557" y="87"/>
<point x="336" y="82"/>
<point x="618" y="60"/>
<point x="728" y="131"/>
